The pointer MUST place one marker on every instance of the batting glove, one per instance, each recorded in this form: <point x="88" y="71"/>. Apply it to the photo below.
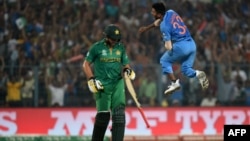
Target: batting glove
<point x="94" y="85"/>
<point x="130" y="73"/>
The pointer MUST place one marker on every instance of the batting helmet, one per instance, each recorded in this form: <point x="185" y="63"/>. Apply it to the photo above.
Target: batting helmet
<point x="113" y="32"/>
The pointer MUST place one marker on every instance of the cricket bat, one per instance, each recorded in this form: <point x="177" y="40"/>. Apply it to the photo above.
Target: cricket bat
<point x="133" y="95"/>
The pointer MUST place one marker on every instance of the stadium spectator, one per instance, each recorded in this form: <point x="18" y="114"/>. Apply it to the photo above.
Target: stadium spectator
<point x="27" y="90"/>
<point x="44" y="34"/>
<point x="57" y="91"/>
<point x="208" y="101"/>
<point x="3" y="88"/>
<point x="148" y="91"/>
<point x="14" y="86"/>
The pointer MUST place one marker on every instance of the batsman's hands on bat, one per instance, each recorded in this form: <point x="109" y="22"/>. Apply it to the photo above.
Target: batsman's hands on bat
<point x="130" y="73"/>
<point x="94" y="85"/>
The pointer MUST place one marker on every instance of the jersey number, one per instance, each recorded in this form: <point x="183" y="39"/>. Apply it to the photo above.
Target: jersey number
<point x="178" y="23"/>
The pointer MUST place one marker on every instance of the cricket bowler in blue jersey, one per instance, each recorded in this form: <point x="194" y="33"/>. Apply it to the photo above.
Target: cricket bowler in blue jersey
<point x="179" y="44"/>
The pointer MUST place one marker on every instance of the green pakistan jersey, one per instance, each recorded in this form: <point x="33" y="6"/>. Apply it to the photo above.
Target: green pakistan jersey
<point x="108" y="62"/>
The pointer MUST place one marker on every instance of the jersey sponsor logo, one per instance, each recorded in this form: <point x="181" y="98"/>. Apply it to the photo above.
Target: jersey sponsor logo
<point x="110" y="59"/>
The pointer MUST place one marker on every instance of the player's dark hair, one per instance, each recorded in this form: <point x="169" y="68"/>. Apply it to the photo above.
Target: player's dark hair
<point x="159" y="7"/>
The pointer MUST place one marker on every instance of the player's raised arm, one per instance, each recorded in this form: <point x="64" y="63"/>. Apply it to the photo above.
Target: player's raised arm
<point x="146" y="28"/>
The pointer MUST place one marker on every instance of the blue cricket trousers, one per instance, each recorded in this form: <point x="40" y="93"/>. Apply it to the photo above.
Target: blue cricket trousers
<point x="184" y="53"/>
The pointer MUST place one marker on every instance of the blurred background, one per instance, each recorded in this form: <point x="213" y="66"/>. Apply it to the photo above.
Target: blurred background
<point x="38" y="37"/>
<point x="43" y="44"/>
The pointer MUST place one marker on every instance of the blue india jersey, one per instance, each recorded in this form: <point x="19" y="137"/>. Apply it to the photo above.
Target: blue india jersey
<point x="173" y="28"/>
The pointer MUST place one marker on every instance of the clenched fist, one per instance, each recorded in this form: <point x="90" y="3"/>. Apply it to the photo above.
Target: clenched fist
<point x="130" y="73"/>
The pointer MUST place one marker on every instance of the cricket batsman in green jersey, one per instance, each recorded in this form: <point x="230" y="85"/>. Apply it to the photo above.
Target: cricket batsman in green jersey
<point x="105" y="80"/>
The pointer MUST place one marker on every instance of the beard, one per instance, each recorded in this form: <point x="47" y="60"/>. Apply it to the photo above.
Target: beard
<point x="157" y="16"/>
<point x="110" y="43"/>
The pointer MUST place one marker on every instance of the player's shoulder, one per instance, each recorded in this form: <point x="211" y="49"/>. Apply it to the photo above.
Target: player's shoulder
<point x="121" y="45"/>
<point x="171" y="11"/>
<point x="98" y="44"/>
<point x="169" y="14"/>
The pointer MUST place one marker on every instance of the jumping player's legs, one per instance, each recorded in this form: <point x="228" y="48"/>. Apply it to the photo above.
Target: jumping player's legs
<point x="166" y="61"/>
<point x="188" y="58"/>
<point x="179" y="53"/>
<point x="188" y="61"/>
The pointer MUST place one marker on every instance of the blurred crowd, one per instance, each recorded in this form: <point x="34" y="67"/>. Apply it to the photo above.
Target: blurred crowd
<point x="39" y="37"/>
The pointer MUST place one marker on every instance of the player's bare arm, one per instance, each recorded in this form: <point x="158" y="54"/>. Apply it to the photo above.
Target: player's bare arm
<point x="168" y="45"/>
<point x="146" y="28"/>
<point x="156" y="23"/>
<point x="94" y="84"/>
<point x="86" y="66"/>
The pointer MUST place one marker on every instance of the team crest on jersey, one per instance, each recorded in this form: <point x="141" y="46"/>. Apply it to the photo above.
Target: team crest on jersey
<point x="104" y="53"/>
<point x="118" y="52"/>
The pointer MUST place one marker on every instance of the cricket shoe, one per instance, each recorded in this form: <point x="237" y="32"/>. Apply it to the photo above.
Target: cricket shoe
<point x="202" y="79"/>
<point x="173" y="87"/>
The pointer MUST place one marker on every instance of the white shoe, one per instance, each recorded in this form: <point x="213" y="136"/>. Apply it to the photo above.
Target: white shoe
<point x="173" y="87"/>
<point x="202" y="79"/>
